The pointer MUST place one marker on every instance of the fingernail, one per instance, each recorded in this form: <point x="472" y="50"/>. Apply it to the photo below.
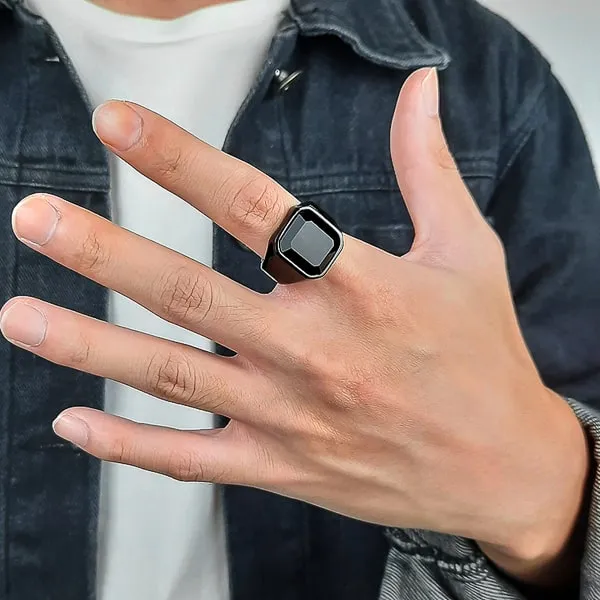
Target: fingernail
<point x="24" y="324"/>
<point x="34" y="220"/>
<point x="431" y="93"/>
<point x="117" y="124"/>
<point x="71" y="429"/>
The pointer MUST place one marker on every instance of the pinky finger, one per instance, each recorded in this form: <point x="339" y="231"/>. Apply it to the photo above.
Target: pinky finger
<point x="214" y="456"/>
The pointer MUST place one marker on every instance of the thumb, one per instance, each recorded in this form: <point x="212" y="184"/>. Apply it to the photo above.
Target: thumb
<point x="439" y="203"/>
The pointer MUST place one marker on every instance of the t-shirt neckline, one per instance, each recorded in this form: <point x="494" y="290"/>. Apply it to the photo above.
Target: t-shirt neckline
<point x="210" y="20"/>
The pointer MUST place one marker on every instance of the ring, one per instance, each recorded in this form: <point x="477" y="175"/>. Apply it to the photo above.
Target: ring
<point x="305" y="246"/>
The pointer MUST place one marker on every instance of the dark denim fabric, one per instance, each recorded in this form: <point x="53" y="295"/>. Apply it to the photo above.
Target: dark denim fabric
<point x="522" y="153"/>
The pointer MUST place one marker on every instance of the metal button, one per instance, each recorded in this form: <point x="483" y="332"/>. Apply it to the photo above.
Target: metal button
<point x="285" y="80"/>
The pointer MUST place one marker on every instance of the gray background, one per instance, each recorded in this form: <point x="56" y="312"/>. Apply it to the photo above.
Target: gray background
<point x="568" y="33"/>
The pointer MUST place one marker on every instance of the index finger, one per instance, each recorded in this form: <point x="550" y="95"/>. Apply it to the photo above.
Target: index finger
<point x="236" y="196"/>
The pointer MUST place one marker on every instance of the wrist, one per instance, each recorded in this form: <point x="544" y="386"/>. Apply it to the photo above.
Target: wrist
<point x="546" y="550"/>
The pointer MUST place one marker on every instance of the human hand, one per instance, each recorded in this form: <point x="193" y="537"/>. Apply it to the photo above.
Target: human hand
<point x="394" y="390"/>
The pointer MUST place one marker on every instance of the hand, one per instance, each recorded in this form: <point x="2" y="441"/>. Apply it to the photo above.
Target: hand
<point x="394" y="390"/>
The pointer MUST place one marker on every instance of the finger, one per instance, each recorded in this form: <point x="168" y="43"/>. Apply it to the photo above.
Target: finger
<point x="162" y="368"/>
<point x="213" y="456"/>
<point x="238" y="197"/>
<point x="172" y="286"/>
<point x="440" y="205"/>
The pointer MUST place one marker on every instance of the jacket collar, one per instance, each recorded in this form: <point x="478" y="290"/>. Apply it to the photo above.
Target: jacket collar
<point x="381" y="31"/>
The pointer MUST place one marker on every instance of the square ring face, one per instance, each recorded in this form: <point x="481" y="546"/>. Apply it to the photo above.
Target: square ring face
<point x="310" y="242"/>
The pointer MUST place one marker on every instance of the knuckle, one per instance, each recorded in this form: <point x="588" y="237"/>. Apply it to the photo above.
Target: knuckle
<point x="266" y="467"/>
<point x="171" y="163"/>
<point x="188" y="466"/>
<point x="121" y="451"/>
<point x="92" y="256"/>
<point x="358" y="391"/>
<point x="185" y="294"/>
<point x="381" y="305"/>
<point x="81" y="352"/>
<point x="173" y="378"/>
<point x="326" y="370"/>
<point x="422" y="354"/>
<point x="184" y="466"/>
<point x="254" y="203"/>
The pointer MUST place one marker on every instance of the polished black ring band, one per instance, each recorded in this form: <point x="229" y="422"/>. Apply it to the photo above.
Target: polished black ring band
<point x="305" y="246"/>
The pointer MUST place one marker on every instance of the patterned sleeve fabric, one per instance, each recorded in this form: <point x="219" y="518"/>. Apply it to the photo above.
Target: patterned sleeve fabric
<point x="423" y="565"/>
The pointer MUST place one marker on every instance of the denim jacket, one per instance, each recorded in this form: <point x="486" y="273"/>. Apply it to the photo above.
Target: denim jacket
<point x="521" y="151"/>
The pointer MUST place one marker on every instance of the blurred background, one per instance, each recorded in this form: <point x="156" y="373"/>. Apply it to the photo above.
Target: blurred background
<point x="568" y="33"/>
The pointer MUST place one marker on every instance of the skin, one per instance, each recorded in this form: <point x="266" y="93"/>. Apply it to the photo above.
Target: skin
<point x="157" y="9"/>
<point x="426" y="411"/>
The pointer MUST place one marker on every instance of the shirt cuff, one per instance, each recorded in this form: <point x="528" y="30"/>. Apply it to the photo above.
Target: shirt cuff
<point x="590" y="568"/>
<point x="431" y="565"/>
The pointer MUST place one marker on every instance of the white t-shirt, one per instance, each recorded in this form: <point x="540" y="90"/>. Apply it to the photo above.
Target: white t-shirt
<point x="160" y="539"/>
